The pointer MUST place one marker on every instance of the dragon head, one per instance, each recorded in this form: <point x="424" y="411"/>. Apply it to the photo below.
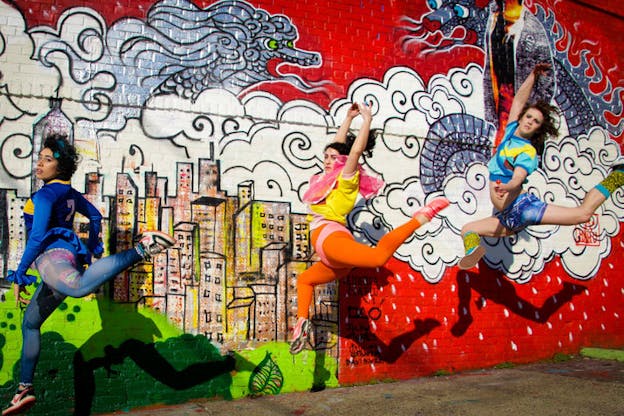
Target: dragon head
<point x="450" y="23"/>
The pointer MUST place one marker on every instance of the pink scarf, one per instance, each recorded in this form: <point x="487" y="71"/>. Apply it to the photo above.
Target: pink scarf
<point x="323" y="183"/>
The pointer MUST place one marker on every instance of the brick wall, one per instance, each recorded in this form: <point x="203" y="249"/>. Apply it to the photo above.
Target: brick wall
<point x="206" y="120"/>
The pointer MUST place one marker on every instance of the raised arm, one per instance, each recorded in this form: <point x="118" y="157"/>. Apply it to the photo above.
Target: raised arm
<point x="341" y="134"/>
<point x="524" y="92"/>
<point x="361" y="140"/>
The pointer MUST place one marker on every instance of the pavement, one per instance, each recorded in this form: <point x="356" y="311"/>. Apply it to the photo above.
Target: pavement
<point x="591" y="384"/>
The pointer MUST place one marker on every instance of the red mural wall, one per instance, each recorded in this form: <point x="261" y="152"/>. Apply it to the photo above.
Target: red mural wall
<point x="393" y="323"/>
<point x="360" y="38"/>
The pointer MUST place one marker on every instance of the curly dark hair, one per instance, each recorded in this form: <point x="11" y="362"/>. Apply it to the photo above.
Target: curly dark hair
<point x="65" y="153"/>
<point x="549" y="127"/>
<point x="345" y="148"/>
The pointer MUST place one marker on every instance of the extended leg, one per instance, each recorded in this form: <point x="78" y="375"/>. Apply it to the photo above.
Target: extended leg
<point x="43" y="303"/>
<point x="559" y="215"/>
<point x="471" y="234"/>
<point x="342" y="249"/>
<point x="58" y="270"/>
<point x="57" y="266"/>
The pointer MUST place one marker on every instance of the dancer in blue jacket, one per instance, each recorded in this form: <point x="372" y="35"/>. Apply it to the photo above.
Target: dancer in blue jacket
<point x="60" y="257"/>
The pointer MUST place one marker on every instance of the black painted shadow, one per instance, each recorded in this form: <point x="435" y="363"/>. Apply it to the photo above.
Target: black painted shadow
<point x="179" y="363"/>
<point x="495" y="287"/>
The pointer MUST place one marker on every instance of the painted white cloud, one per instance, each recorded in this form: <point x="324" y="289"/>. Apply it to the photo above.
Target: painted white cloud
<point x="29" y="85"/>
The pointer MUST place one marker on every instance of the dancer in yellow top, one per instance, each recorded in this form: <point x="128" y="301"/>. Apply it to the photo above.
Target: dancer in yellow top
<point x="331" y="197"/>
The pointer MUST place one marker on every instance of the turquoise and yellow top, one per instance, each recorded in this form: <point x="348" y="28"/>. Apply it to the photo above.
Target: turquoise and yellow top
<point x="512" y="152"/>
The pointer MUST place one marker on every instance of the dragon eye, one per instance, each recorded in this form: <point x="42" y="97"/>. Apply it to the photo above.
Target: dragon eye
<point x="272" y="44"/>
<point x="290" y="44"/>
<point x="461" y="11"/>
<point x="434" y="4"/>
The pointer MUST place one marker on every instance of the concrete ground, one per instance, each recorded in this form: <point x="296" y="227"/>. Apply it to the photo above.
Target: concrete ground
<point x="591" y="384"/>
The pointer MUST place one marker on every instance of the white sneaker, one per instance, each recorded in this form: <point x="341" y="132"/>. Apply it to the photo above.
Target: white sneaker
<point x="22" y="401"/>
<point x="152" y="243"/>
<point x="301" y="335"/>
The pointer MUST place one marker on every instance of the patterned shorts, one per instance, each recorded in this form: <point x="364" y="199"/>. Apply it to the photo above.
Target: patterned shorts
<point x="525" y="210"/>
<point x="58" y="264"/>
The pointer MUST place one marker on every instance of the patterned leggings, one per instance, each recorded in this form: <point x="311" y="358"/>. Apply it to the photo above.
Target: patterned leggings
<point x="61" y="278"/>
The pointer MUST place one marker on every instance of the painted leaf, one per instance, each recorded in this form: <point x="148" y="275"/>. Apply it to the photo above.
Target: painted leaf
<point x="266" y="378"/>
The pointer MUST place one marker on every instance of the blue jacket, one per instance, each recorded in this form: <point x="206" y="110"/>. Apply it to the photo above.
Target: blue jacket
<point x="49" y="219"/>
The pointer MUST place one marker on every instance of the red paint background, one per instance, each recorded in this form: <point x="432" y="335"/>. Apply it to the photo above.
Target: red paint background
<point x="359" y="39"/>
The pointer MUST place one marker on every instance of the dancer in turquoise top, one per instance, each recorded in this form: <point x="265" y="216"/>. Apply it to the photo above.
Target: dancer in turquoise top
<point x="514" y="160"/>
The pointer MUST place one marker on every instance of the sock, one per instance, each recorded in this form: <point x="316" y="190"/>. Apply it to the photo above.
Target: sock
<point x="471" y="241"/>
<point x="611" y="183"/>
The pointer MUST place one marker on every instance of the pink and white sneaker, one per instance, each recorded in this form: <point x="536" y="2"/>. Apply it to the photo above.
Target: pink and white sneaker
<point x="301" y="333"/>
<point x="432" y="208"/>
<point x="22" y="401"/>
<point x="152" y="243"/>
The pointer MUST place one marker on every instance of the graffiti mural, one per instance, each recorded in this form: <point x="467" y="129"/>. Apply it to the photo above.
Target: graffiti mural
<point x="206" y="119"/>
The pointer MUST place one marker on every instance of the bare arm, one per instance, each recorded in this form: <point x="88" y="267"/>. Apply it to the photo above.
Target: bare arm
<point x="516" y="181"/>
<point x="360" y="141"/>
<point x="341" y="134"/>
<point x="524" y="92"/>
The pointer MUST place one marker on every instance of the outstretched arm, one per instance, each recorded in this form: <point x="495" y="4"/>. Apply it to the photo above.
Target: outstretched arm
<point x="360" y="141"/>
<point x="341" y="134"/>
<point x="519" y="175"/>
<point x="524" y="92"/>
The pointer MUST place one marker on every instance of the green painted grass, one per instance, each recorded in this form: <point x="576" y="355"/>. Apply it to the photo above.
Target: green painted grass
<point x="603" y="353"/>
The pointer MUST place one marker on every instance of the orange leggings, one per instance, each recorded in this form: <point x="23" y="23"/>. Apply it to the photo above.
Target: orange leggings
<point x="341" y="248"/>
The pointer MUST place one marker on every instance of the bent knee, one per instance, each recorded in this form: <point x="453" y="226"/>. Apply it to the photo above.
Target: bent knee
<point x="467" y="228"/>
<point x="28" y="325"/>
<point x="585" y="217"/>
<point x="378" y="260"/>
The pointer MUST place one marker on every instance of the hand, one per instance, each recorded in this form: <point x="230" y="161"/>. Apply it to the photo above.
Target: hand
<point x="366" y="111"/>
<point x="18" y="291"/>
<point x="353" y="111"/>
<point x="500" y="188"/>
<point x="541" y="69"/>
